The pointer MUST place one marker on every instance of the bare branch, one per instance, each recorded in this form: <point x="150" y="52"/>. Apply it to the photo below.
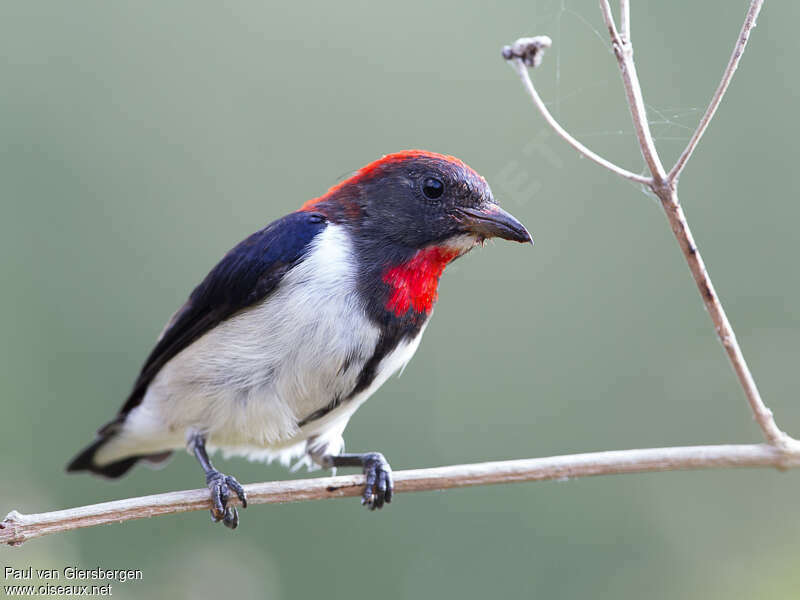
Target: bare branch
<point x="625" y="20"/>
<point x="633" y="90"/>
<point x="668" y="194"/>
<point x="608" y="17"/>
<point x="518" y="62"/>
<point x="725" y="333"/>
<point x="665" y="187"/>
<point x="18" y="528"/>
<point x="733" y="63"/>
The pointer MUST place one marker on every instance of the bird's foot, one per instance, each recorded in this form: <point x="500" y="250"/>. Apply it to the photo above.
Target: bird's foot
<point x="379" y="486"/>
<point x="220" y="486"/>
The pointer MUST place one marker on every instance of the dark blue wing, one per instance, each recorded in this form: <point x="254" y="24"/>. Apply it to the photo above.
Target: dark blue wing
<point x="246" y="275"/>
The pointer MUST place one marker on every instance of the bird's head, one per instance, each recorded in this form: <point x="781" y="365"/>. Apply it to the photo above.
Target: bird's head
<point x="410" y="214"/>
<point x="419" y="199"/>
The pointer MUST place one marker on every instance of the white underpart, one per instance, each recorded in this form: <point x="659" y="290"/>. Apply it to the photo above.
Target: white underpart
<point x="248" y="382"/>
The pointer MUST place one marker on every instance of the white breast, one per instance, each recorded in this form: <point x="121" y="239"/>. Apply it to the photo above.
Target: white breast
<point x="248" y="382"/>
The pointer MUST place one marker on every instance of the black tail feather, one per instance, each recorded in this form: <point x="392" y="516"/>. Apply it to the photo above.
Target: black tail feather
<point x="84" y="461"/>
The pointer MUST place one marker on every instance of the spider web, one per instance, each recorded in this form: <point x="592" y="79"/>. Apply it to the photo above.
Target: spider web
<point x="672" y="126"/>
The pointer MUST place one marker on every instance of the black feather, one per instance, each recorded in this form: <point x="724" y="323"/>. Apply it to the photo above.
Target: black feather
<point x="85" y="461"/>
<point x="245" y="276"/>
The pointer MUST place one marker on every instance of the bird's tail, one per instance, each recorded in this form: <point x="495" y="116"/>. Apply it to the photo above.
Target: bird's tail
<point x="86" y="458"/>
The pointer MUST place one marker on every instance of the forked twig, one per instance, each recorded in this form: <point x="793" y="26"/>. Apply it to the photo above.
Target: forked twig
<point x="664" y="185"/>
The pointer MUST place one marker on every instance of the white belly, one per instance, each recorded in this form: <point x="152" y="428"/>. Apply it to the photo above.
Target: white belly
<point x="248" y="382"/>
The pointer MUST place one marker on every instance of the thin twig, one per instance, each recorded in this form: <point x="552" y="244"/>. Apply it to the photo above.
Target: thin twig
<point x="18" y="528"/>
<point x="733" y="63"/>
<point x="624" y="53"/>
<point x="522" y="70"/>
<point x="625" y="20"/>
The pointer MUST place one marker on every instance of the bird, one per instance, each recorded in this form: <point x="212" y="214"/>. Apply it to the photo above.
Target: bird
<point x="300" y="323"/>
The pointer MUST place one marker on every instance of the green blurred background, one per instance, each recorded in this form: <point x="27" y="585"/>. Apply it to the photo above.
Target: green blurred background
<point x="140" y="140"/>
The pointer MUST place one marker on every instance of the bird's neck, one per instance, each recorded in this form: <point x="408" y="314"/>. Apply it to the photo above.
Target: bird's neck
<point x="413" y="284"/>
<point x="399" y="284"/>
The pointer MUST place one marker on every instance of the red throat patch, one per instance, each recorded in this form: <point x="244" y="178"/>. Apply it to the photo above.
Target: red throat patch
<point x="414" y="283"/>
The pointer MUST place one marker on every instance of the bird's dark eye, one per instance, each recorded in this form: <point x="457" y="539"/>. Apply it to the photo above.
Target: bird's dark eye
<point x="432" y="188"/>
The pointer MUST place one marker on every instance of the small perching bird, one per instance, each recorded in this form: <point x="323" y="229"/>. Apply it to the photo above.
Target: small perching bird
<point x="300" y="323"/>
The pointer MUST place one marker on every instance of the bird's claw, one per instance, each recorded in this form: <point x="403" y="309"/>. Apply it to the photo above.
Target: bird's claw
<point x="379" y="486"/>
<point x="230" y="518"/>
<point x="220" y="486"/>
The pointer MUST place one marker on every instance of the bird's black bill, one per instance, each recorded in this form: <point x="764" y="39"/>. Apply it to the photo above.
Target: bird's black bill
<point x="489" y="220"/>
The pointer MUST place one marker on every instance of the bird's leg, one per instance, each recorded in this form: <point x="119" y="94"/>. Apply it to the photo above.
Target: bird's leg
<point x="219" y="484"/>
<point x="379" y="486"/>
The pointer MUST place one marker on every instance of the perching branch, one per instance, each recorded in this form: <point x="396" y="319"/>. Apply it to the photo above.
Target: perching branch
<point x="17" y="528"/>
<point x="664" y="185"/>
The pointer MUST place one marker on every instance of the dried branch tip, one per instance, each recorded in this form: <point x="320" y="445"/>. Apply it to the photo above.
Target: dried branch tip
<point x="530" y="50"/>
